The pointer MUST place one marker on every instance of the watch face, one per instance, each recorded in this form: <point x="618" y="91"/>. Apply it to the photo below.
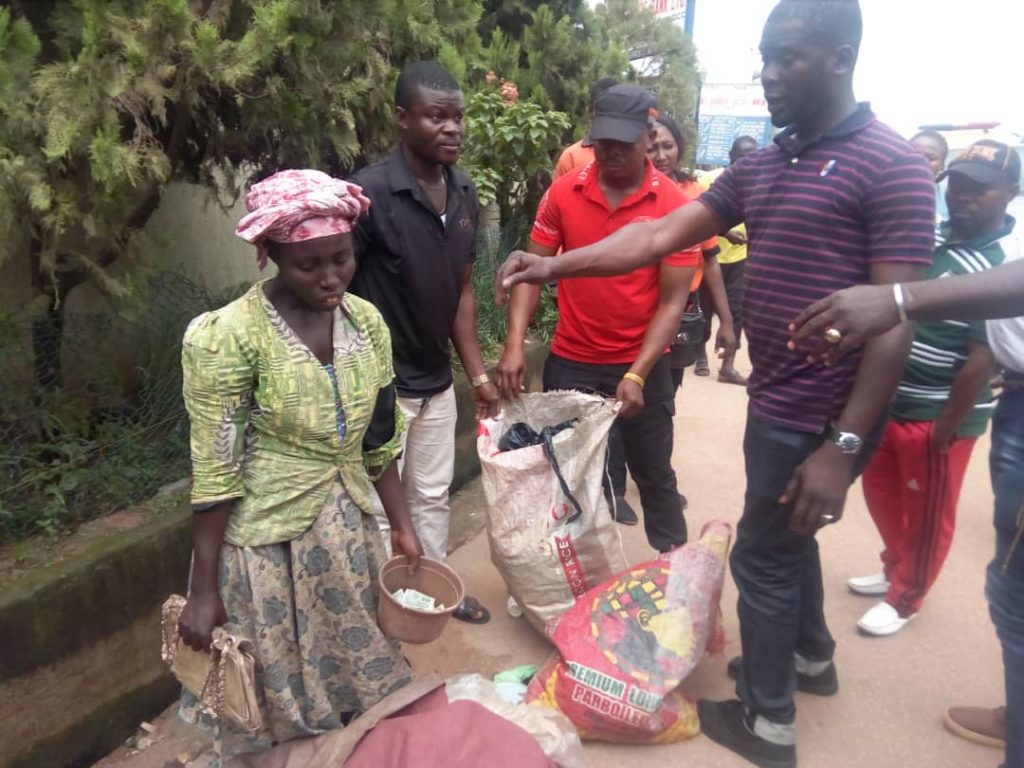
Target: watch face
<point x="848" y="442"/>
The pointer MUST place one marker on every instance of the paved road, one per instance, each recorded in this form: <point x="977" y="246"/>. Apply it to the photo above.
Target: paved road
<point x="892" y="690"/>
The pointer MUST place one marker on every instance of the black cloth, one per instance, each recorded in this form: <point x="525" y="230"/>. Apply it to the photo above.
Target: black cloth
<point x="778" y="572"/>
<point x="708" y="305"/>
<point x="411" y="265"/>
<point x="382" y="423"/>
<point x="646" y="439"/>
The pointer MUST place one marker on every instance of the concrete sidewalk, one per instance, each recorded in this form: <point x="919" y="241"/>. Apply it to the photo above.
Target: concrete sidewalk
<point x="893" y="690"/>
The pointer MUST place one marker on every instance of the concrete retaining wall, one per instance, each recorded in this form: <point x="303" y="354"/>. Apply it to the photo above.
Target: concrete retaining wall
<point x="79" y="642"/>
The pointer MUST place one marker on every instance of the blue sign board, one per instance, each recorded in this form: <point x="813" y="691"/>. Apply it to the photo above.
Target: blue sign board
<point x="716" y="133"/>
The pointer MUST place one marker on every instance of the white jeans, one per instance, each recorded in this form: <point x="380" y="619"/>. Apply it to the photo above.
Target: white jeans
<point x="426" y="468"/>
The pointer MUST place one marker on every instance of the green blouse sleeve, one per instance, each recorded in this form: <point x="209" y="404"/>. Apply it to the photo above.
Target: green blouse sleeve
<point x="381" y="457"/>
<point x="218" y="383"/>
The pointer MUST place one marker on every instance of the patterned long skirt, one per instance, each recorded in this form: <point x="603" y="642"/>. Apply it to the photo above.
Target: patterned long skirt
<point x="310" y="607"/>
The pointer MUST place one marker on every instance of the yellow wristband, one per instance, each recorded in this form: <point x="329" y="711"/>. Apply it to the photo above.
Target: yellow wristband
<point x="636" y="378"/>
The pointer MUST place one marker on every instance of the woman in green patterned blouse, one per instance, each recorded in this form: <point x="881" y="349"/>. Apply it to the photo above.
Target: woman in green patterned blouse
<point x="295" y="433"/>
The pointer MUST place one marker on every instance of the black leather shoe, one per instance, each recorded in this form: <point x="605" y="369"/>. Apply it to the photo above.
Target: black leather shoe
<point x="725" y="723"/>
<point x="825" y="684"/>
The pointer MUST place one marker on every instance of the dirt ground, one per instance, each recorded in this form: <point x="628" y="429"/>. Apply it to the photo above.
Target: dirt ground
<point x="893" y="690"/>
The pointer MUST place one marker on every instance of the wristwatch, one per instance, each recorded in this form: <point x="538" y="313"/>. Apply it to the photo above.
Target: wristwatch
<point x="479" y="381"/>
<point x="849" y="443"/>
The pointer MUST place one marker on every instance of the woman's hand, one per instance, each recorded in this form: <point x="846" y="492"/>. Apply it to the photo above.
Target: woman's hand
<point x="404" y="541"/>
<point x="198" y="618"/>
<point x="725" y="341"/>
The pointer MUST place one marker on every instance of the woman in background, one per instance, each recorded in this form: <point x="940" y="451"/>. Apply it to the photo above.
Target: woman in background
<point x="708" y="289"/>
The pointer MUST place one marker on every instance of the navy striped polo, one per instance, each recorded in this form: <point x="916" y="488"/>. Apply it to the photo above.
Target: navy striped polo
<point x="818" y="214"/>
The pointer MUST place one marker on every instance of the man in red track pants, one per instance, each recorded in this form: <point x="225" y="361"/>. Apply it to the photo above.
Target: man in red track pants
<point x="943" y="403"/>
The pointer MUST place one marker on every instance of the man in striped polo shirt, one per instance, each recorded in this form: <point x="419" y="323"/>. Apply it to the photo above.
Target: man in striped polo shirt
<point x="943" y="402"/>
<point x="839" y="200"/>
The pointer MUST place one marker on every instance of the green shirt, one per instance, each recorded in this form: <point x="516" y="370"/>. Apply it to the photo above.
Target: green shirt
<point x="263" y="416"/>
<point x="940" y="349"/>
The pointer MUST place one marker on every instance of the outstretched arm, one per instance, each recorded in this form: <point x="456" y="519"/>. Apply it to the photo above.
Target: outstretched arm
<point x="630" y="248"/>
<point x="725" y="339"/>
<point x="818" y="488"/>
<point x="865" y="311"/>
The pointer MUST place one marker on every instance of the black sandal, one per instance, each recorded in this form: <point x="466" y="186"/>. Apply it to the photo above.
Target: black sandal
<point x="471" y="611"/>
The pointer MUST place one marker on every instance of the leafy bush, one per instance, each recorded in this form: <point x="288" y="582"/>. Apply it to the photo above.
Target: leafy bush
<point x="509" y="147"/>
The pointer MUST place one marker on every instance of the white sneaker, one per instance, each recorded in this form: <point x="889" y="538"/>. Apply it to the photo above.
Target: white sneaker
<point x="882" y="620"/>
<point x="874" y="585"/>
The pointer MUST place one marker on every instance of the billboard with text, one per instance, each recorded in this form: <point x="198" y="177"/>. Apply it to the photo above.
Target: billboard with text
<point x="728" y="111"/>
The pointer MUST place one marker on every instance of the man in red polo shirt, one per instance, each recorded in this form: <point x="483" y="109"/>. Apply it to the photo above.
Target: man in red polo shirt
<point x="613" y="332"/>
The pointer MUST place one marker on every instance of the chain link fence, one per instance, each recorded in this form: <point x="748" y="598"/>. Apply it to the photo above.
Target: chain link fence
<point x="115" y="429"/>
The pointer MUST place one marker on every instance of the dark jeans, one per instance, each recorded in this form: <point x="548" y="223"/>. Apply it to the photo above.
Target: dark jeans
<point x="734" y="277"/>
<point x="778" y="573"/>
<point x="615" y="482"/>
<point x="677" y="378"/>
<point x="646" y="440"/>
<point x="1005" y="583"/>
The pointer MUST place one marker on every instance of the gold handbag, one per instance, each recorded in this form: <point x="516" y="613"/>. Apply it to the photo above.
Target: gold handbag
<point x="223" y="680"/>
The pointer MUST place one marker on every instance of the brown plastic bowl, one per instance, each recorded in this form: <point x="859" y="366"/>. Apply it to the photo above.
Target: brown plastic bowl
<point x="432" y="578"/>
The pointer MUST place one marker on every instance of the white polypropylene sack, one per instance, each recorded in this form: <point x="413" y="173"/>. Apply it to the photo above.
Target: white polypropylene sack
<point x="548" y="562"/>
<point x="553" y="732"/>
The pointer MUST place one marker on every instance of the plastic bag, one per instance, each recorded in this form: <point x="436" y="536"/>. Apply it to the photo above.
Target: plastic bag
<point x="552" y="731"/>
<point x="627" y="645"/>
<point x="551" y="534"/>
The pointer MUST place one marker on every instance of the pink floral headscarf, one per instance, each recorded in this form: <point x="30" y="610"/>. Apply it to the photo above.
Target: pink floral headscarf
<point x="292" y="206"/>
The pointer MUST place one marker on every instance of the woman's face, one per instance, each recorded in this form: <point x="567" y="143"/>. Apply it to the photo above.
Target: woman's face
<point x="664" y="152"/>
<point x="317" y="272"/>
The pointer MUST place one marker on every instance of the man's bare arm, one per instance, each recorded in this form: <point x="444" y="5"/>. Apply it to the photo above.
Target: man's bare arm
<point x="674" y="289"/>
<point x="865" y="311"/>
<point x="818" y="488"/>
<point x="630" y="248"/>
<point x="522" y="307"/>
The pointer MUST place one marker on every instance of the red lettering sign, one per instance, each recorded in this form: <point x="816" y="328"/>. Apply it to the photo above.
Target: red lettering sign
<point x="571" y="565"/>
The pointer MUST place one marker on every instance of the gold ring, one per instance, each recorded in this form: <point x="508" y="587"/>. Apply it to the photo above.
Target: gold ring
<point x="833" y="335"/>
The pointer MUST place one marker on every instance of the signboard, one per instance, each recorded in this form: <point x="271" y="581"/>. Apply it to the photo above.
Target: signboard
<point x="728" y="111"/>
<point x="668" y="9"/>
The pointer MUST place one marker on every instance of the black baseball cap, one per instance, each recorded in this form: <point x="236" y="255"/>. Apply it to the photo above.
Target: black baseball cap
<point x="986" y="161"/>
<point x="623" y="113"/>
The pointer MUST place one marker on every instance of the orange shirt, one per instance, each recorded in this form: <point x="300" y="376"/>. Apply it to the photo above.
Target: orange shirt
<point x="604" y="319"/>
<point x="693" y="190"/>
<point x="572" y="157"/>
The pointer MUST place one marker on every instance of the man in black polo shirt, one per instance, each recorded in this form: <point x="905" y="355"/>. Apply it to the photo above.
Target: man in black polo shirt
<point x="415" y="251"/>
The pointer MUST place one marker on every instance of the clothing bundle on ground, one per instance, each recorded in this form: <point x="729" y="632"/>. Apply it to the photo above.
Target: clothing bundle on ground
<point x="627" y="645"/>
<point x="461" y="723"/>
<point x="551" y="534"/>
